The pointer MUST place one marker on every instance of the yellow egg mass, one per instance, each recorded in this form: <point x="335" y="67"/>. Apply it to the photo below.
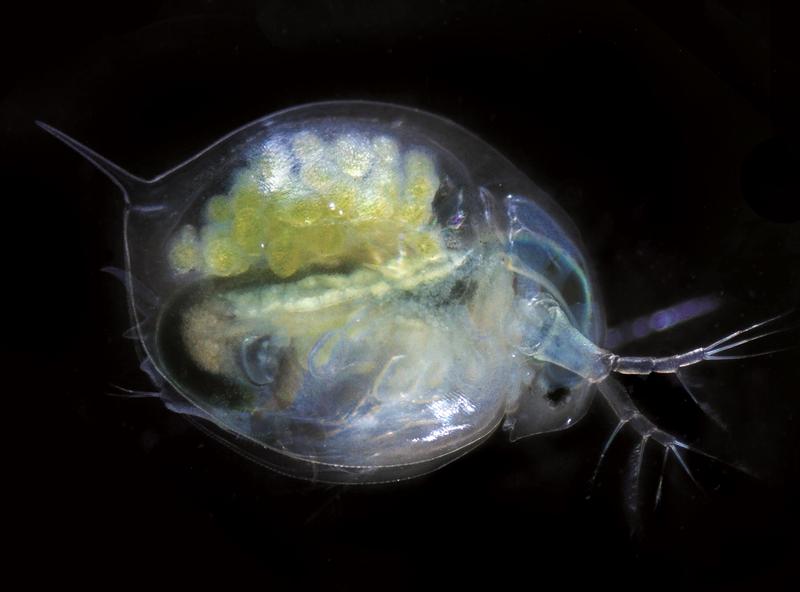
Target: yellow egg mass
<point x="311" y="202"/>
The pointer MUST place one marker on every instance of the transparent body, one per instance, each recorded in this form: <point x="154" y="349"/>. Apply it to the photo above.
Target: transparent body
<point x="362" y="292"/>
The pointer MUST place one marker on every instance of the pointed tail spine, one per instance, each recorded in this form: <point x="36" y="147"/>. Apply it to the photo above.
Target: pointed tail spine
<point x="121" y="178"/>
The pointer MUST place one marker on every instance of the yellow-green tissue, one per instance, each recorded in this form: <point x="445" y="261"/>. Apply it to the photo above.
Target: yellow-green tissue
<point x="311" y="202"/>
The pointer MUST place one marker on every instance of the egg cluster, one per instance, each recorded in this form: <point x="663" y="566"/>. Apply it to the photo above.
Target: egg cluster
<point x="309" y="201"/>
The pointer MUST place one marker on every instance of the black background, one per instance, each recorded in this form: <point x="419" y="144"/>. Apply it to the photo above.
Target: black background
<point x="667" y="131"/>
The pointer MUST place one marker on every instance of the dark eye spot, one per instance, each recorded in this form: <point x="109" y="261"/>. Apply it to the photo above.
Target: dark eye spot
<point x="557" y="397"/>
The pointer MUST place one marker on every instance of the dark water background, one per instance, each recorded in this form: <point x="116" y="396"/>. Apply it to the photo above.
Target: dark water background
<point x="668" y="134"/>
